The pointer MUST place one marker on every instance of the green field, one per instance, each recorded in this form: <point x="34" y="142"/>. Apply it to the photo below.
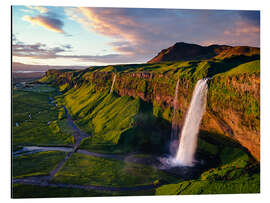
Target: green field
<point x="89" y="170"/>
<point x="36" y="164"/>
<point x="33" y="191"/>
<point x="37" y="118"/>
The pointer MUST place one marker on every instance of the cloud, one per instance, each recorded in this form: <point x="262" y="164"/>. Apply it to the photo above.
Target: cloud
<point x="253" y="17"/>
<point x="67" y="46"/>
<point x="107" y="58"/>
<point x="37" y="50"/>
<point x="130" y="32"/>
<point x="50" y="23"/>
<point x="245" y="31"/>
<point x="243" y="28"/>
<point x="139" y="34"/>
<point x="42" y="51"/>
<point x="74" y="15"/>
<point x="144" y="32"/>
<point x="46" y="19"/>
<point x="38" y="8"/>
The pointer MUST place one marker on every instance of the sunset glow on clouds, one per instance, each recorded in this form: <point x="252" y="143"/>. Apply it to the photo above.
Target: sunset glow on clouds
<point x="99" y="36"/>
<point x="39" y="8"/>
<point x="46" y="22"/>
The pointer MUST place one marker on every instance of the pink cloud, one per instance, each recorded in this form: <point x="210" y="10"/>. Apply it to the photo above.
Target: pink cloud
<point x="48" y="23"/>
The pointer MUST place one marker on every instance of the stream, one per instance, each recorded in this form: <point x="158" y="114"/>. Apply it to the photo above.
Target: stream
<point x="36" y="149"/>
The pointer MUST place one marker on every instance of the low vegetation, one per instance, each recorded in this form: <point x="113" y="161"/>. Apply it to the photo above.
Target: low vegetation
<point x="89" y="170"/>
<point x="35" y="120"/>
<point x="36" y="164"/>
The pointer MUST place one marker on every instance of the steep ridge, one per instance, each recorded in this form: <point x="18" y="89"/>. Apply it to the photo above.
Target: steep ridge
<point x="183" y="51"/>
<point x="233" y="99"/>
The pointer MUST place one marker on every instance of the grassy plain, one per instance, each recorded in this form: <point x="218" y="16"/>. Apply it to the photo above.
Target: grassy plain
<point x="35" y="118"/>
<point x="89" y="170"/>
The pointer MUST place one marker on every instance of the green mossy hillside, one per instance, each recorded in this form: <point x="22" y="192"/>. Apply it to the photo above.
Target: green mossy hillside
<point x="233" y="96"/>
<point x="153" y="81"/>
<point x="113" y="121"/>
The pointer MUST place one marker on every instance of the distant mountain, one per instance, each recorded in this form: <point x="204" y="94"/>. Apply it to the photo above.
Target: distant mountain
<point x="183" y="51"/>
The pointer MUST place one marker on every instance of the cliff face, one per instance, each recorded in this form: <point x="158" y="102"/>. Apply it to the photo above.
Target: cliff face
<point x="233" y="99"/>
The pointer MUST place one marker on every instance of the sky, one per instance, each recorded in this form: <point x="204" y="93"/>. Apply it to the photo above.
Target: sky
<point x="81" y="36"/>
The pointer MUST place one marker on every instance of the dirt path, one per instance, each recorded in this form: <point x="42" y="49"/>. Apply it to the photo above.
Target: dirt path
<point x="36" y="149"/>
<point x="76" y="132"/>
<point x="78" y="137"/>
<point x="60" y="166"/>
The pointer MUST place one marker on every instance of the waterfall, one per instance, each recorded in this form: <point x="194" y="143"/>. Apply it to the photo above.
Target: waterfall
<point x="114" y="77"/>
<point x="175" y="121"/>
<point x="188" y="141"/>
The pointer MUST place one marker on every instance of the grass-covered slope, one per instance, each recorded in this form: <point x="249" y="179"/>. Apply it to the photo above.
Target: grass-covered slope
<point x="104" y="115"/>
<point x="112" y="120"/>
<point x="233" y="99"/>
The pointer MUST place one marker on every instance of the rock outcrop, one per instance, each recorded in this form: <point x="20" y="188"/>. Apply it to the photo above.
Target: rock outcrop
<point x="183" y="51"/>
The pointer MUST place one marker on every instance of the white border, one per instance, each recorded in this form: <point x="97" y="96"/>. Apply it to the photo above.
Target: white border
<point x="190" y="4"/>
